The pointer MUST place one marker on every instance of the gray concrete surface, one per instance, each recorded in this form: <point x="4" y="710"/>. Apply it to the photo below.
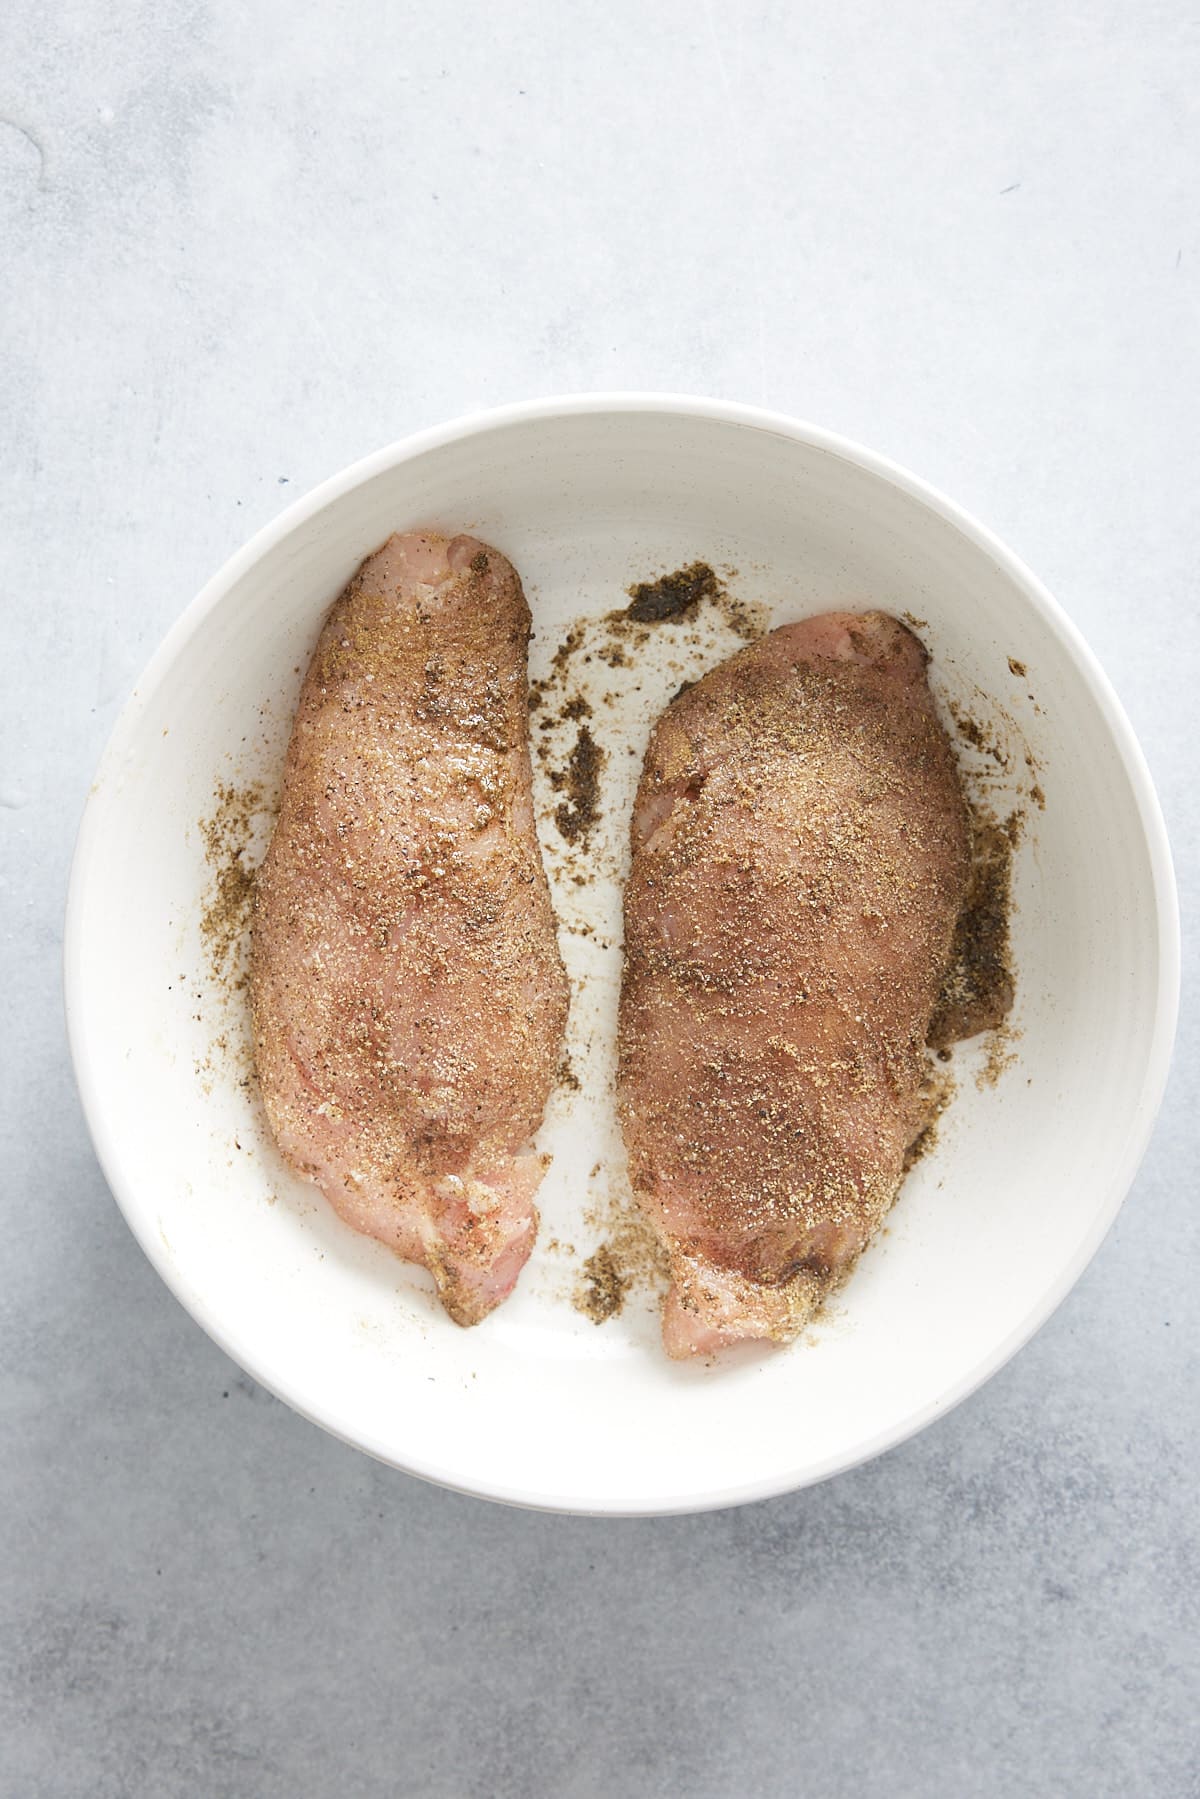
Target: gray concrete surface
<point x="242" y="243"/>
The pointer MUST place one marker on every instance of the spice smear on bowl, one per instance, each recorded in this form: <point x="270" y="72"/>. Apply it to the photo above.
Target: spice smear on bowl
<point x="689" y="614"/>
<point x="233" y="836"/>
<point x="978" y="988"/>
<point x="629" y="1257"/>
<point x="227" y="833"/>
<point x="602" y="1289"/>
<point x="672" y="596"/>
<point x="580" y="781"/>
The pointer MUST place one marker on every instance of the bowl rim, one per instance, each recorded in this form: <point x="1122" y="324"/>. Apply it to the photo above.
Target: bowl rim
<point x="84" y="1053"/>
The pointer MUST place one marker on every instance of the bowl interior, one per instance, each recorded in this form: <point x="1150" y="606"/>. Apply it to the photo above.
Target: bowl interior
<point x="540" y="1404"/>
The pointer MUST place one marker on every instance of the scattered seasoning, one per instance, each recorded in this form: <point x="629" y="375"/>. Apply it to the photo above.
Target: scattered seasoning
<point x="629" y="1256"/>
<point x="977" y="993"/>
<point x="227" y="835"/>
<point x="602" y="1289"/>
<point x="1001" y="1054"/>
<point x="672" y="596"/>
<point x="696" y="608"/>
<point x="1017" y="668"/>
<point x="576" y="815"/>
<point x="972" y="732"/>
<point x="567" y="648"/>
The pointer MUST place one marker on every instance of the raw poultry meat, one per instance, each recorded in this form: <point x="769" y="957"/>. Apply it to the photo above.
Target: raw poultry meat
<point x="800" y="857"/>
<point x="408" y="995"/>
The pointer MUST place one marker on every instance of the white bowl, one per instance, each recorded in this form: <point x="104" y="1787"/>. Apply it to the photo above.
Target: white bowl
<point x="539" y="1406"/>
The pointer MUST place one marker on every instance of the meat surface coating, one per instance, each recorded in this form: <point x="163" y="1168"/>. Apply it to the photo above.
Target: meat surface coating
<point x="800" y="857"/>
<point x="408" y="996"/>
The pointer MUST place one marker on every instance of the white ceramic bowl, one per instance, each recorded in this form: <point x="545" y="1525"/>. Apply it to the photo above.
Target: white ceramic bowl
<point x="539" y="1406"/>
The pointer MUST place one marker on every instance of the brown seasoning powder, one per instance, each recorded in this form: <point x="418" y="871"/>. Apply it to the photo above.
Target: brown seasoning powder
<point x="977" y="992"/>
<point x="672" y="596"/>
<point x="576" y="815"/>
<point x="602" y="1288"/>
<point x="227" y="834"/>
<point x="613" y="639"/>
<point x="630" y="1256"/>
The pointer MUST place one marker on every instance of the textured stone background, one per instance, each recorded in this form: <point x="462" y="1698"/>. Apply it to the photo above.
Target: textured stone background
<point x="241" y="243"/>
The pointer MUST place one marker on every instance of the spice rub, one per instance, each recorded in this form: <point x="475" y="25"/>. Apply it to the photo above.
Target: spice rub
<point x="801" y="855"/>
<point x="407" y="992"/>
